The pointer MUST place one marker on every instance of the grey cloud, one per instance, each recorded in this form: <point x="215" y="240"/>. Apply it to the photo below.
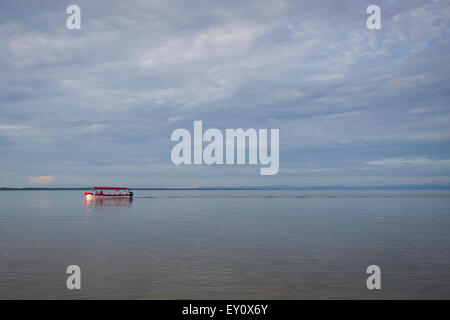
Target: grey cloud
<point x="135" y="71"/>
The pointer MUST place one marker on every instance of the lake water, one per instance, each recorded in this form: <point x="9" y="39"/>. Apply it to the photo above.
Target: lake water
<point x="226" y="244"/>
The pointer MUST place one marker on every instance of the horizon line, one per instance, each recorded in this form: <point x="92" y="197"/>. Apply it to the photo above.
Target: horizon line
<point x="268" y="187"/>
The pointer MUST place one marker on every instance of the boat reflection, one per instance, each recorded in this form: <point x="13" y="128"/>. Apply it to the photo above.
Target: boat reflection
<point x="100" y="205"/>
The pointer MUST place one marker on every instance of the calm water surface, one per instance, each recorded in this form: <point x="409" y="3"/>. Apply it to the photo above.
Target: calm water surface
<point x="226" y="244"/>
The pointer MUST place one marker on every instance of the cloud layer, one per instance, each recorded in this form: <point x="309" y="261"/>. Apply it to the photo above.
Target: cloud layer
<point x="98" y="105"/>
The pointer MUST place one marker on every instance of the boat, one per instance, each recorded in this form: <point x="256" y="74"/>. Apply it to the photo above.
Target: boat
<point x="108" y="193"/>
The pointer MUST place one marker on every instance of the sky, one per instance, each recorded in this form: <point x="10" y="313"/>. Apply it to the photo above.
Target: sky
<point x="97" y="106"/>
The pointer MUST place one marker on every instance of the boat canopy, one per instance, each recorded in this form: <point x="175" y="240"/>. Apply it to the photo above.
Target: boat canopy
<point x="111" y="188"/>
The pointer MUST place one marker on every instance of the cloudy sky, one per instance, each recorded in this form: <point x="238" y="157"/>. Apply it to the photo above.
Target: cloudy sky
<point x="98" y="105"/>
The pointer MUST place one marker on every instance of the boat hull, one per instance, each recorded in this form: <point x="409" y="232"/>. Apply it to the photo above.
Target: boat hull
<point x="91" y="196"/>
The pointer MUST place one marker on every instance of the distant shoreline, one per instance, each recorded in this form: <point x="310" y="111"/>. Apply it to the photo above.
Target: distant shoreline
<point x="280" y="188"/>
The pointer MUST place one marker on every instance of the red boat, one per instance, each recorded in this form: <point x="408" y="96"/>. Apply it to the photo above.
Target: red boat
<point x="107" y="193"/>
